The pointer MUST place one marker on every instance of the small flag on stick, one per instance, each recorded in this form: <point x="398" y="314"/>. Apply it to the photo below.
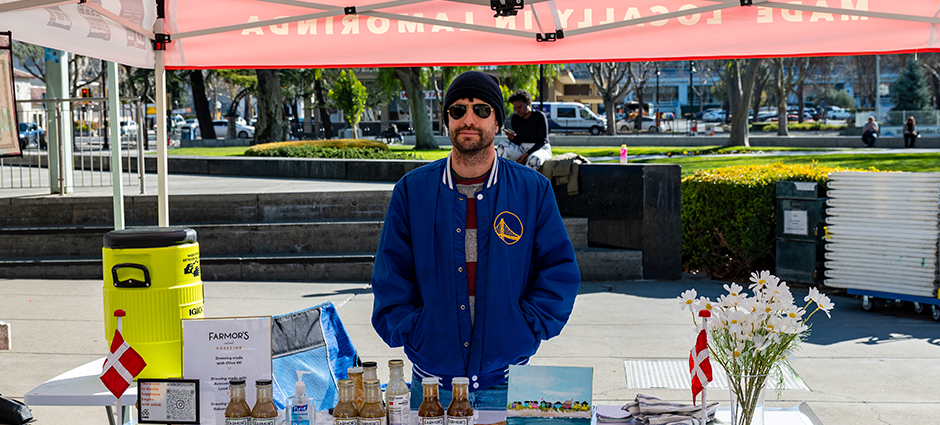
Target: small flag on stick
<point x="699" y="363"/>
<point x="122" y="365"/>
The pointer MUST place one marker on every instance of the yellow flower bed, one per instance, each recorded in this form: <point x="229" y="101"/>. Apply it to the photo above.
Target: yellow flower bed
<point x="331" y="143"/>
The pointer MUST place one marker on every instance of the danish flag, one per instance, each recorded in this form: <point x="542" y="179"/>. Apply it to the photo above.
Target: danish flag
<point x="699" y="364"/>
<point x="121" y="366"/>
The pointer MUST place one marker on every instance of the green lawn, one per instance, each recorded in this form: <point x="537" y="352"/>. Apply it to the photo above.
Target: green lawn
<point x="590" y="152"/>
<point x="689" y="158"/>
<point x="226" y="151"/>
<point x="587" y="152"/>
<point x="925" y="162"/>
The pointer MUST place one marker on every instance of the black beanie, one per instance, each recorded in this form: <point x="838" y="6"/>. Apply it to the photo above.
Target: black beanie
<point x="476" y="85"/>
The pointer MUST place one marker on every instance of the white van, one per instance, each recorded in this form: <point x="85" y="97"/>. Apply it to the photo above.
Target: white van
<point x="571" y="117"/>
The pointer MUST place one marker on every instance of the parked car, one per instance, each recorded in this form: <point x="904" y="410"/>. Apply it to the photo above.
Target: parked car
<point x="242" y="131"/>
<point x="793" y="117"/>
<point x="31" y="135"/>
<point x="649" y="123"/>
<point x="572" y="117"/>
<point x="714" y="115"/>
<point x="128" y="128"/>
<point x="177" y="121"/>
<point x="837" y="113"/>
<point x="763" y="116"/>
<point x="794" y="109"/>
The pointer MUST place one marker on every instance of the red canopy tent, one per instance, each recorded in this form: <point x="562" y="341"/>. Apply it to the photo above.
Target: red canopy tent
<point x="366" y="33"/>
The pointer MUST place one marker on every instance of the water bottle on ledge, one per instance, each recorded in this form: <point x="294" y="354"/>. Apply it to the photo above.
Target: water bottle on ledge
<point x="623" y="154"/>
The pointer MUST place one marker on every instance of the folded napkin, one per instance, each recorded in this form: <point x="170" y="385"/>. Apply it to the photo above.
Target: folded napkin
<point x="653" y="411"/>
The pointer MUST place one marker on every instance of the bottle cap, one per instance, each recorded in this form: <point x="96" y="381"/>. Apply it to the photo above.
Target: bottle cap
<point x="460" y="380"/>
<point x="345" y="382"/>
<point x="369" y="364"/>
<point x="431" y="381"/>
<point x="396" y="362"/>
<point x="354" y="370"/>
<point x="370" y="382"/>
<point x="263" y="382"/>
<point x="236" y="382"/>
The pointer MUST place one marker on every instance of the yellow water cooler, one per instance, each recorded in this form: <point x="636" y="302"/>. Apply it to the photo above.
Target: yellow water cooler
<point x="152" y="274"/>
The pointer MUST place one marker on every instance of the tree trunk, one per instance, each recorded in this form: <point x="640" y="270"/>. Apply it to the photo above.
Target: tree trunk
<point x="640" y="88"/>
<point x="609" y="110"/>
<point x="270" y="128"/>
<point x="411" y="81"/>
<point x="780" y="85"/>
<point x="323" y="113"/>
<point x="201" y="105"/>
<point x="308" y="116"/>
<point x="800" y="100"/>
<point x="740" y="89"/>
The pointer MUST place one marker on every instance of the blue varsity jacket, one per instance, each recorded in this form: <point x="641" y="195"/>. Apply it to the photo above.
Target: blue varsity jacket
<point x="526" y="283"/>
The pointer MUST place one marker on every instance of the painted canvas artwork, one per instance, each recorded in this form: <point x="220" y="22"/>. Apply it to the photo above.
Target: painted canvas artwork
<point x="555" y="395"/>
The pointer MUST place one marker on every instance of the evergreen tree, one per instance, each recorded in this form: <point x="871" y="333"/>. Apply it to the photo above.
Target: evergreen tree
<point x="909" y="92"/>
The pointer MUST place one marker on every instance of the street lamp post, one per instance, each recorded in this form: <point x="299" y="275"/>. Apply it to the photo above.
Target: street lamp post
<point x="691" y="90"/>
<point x="657" y="89"/>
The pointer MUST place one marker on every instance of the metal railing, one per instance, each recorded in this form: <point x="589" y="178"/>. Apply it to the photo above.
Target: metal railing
<point x="931" y="117"/>
<point x="90" y="143"/>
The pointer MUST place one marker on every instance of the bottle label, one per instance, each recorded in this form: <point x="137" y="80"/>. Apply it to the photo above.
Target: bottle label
<point x="372" y="421"/>
<point x="301" y="414"/>
<point x="237" y="421"/>
<point x="263" y="421"/>
<point x="432" y="420"/>
<point x="399" y="409"/>
<point x="459" y="421"/>
<point x="346" y="421"/>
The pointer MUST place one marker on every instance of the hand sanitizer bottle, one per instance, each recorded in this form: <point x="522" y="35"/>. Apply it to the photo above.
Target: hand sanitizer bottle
<point x="300" y="411"/>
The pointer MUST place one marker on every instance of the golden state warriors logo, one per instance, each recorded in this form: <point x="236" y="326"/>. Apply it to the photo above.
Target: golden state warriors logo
<point x="508" y="227"/>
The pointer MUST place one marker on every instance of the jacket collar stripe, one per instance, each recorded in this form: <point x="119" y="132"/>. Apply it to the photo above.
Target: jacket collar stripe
<point x="494" y="173"/>
<point x="448" y="180"/>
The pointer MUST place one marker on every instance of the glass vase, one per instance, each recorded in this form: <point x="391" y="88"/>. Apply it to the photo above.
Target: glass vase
<point x="747" y="399"/>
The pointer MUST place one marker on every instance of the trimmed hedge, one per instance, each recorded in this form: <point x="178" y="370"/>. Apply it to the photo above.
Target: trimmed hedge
<point x="796" y="126"/>
<point x="728" y="216"/>
<point x="338" y="148"/>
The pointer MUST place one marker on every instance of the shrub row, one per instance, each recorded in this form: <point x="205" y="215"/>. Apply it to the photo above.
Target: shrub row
<point x="338" y="148"/>
<point x="728" y="216"/>
<point x="796" y="126"/>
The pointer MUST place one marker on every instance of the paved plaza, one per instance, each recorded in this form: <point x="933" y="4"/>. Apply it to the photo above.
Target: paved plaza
<point x="860" y="367"/>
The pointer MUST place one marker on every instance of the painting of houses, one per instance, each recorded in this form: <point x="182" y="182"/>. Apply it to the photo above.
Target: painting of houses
<point x="558" y="394"/>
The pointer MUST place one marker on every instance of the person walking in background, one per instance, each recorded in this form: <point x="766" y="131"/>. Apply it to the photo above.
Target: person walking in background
<point x="870" y="132"/>
<point x="527" y="132"/>
<point x="910" y="132"/>
<point x="474" y="268"/>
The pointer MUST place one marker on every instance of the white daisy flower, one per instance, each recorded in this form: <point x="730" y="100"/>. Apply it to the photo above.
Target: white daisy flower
<point x="687" y="298"/>
<point x="734" y="289"/>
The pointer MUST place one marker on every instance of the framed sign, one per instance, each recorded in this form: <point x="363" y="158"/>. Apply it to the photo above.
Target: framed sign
<point x="216" y="351"/>
<point x="9" y="129"/>
<point x="168" y="401"/>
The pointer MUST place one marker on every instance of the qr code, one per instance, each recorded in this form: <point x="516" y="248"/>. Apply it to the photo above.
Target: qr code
<point x="180" y="404"/>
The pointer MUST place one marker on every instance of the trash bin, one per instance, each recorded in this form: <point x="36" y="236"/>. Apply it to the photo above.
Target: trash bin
<point x="186" y="133"/>
<point x="800" y="245"/>
<point x="153" y="275"/>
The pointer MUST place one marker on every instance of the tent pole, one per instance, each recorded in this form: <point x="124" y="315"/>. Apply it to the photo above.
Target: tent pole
<point x="115" y="132"/>
<point x="163" y="208"/>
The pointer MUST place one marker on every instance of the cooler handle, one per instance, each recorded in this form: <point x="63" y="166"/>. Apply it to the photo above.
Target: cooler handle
<point x="130" y="283"/>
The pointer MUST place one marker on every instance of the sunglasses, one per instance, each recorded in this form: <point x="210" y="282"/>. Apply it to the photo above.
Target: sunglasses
<point x="481" y="110"/>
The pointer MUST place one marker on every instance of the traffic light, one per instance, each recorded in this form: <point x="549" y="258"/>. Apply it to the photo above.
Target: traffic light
<point x="86" y="92"/>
